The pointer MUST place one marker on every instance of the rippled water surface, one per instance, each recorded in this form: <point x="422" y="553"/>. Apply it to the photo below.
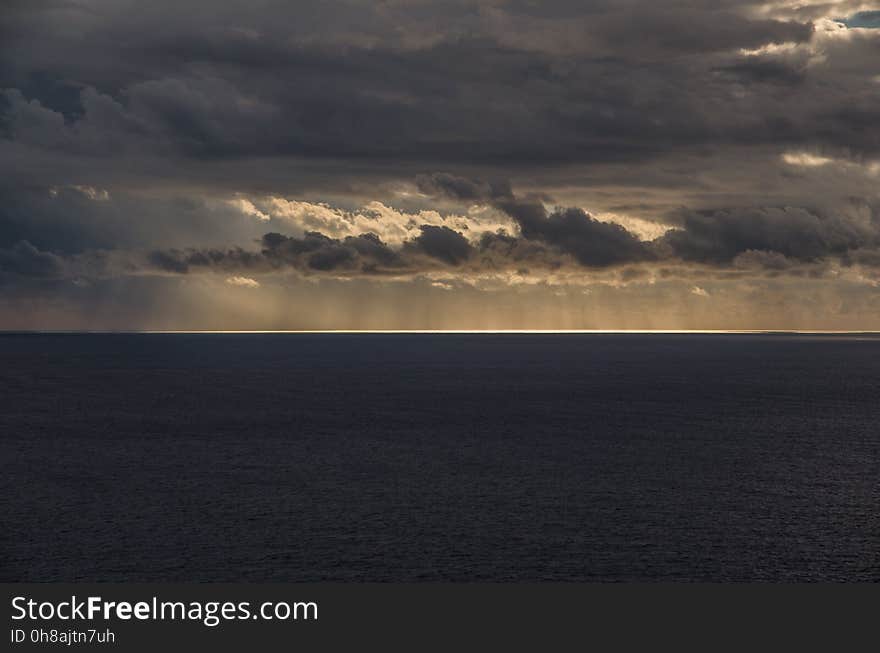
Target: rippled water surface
<point x="293" y="457"/>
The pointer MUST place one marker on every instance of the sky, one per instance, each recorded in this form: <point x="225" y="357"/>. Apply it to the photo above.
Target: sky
<point x="486" y="164"/>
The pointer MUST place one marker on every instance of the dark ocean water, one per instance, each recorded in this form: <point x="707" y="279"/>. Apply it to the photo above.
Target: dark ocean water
<point x="439" y="457"/>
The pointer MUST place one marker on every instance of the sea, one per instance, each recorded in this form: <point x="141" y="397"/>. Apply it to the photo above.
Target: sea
<point x="389" y="457"/>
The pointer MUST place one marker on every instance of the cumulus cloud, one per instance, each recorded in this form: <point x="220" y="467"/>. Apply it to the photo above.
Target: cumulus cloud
<point x="391" y="225"/>
<point x="562" y="241"/>
<point x="247" y="207"/>
<point x="719" y="236"/>
<point x="590" y="241"/>
<point x="443" y="243"/>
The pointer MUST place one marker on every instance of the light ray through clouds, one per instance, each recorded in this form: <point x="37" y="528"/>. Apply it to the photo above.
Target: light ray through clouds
<point x="483" y="164"/>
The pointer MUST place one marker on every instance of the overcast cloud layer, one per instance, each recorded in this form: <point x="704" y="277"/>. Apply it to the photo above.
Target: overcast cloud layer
<point x="424" y="164"/>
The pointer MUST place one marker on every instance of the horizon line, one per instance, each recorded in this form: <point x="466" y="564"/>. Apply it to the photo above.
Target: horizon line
<point x="436" y="331"/>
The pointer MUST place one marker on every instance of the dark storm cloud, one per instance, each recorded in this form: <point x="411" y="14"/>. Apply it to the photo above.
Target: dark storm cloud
<point x="462" y="188"/>
<point x="313" y="252"/>
<point x="473" y="82"/>
<point x="591" y="242"/>
<point x="434" y="247"/>
<point x="763" y="69"/>
<point x="760" y="238"/>
<point x="316" y="251"/>
<point x="182" y="261"/>
<point x="659" y="28"/>
<point x="126" y="127"/>
<point x="719" y="236"/>
<point x="74" y="219"/>
<point x="25" y="260"/>
<point x="768" y="238"/>
<point x="503" y="251"/>
<point x="443" y="243"/>
<point x="370" y="247"/>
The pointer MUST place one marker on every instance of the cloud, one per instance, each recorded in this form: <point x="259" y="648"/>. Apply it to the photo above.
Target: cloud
<point x="247" y="207"/>
<point x="719" y="236"/>
<point x="805" y="159"/>
<point x="160" y="144"/>
<point x="243" y="282"/>
<point x="591" y="242"/>
<point x="480" y="84"/>
<point x="443" y="243"/>
<point x="182" y="261"/>
<point x="462" y="188"/>
<point x="316" y="253"/>
<point x="391" y="225"/>
<point x="546" y="242"/>
<point x="764" y="70"/>
<point x="25" y="260"/>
